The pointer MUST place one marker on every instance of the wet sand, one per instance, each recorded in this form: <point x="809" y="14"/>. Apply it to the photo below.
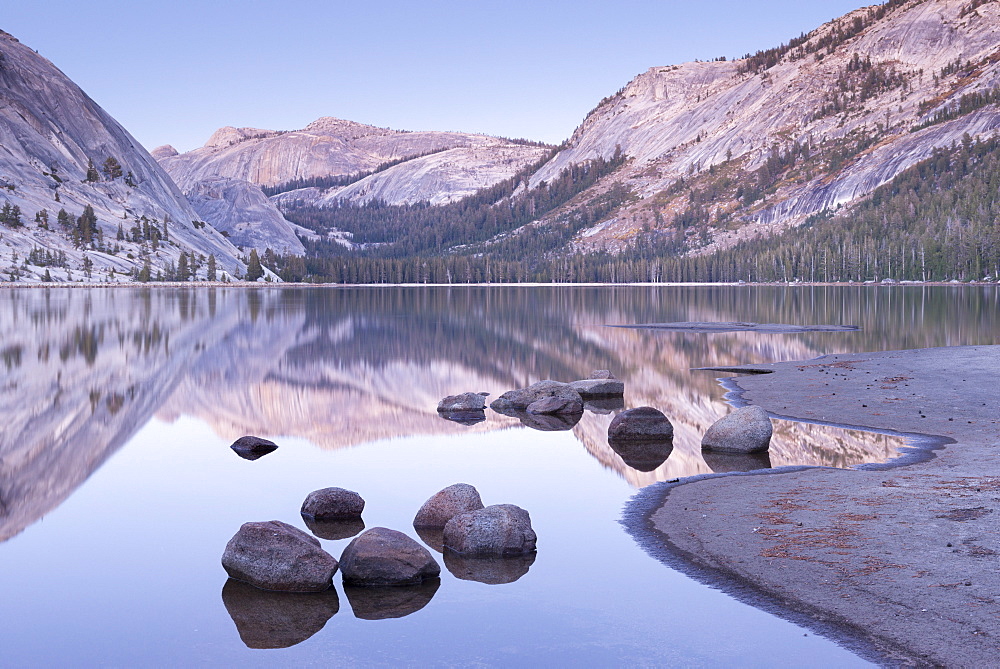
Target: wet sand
<point x="900" y="562"/>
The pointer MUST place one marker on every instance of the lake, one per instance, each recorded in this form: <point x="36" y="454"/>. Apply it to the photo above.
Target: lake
<point x="118" y="489"/>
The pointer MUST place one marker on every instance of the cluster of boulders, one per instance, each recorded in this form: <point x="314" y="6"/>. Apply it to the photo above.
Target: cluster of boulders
<point x="385" y="573"/>
<point x="643" y="437"/>
<point x="545" y="405"/>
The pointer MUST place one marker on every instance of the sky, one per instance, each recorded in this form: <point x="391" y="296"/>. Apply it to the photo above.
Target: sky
<point x="173" y="72"/>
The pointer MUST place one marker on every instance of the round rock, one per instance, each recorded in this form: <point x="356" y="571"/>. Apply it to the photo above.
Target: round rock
<point x="273" y="555"/>
<point x="382" y="556"/>
<point x="500" y="530"/>
<point x="462" y="402"/>
<point x="446" y="504"/>
<point x="251" y="448"/>
<point x="333" y="504"/>
<point x="640" y="424"/>
<point x="746" y="430"/>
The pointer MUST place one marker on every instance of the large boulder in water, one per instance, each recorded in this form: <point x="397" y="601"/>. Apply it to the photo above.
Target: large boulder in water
<point x="746" y="430"/>
<point x="463" y="402"/>
<point x="252" y="448"/>
<point x="276" y="556"/>
<point x="640" y="424"/>
<point x="521" y="399"/>
<point x="446" y="504"/>
<point x="381" y="556"/>
<point x="333" y="504"/>
<point x="500" y="530"/>
<point x="277" y="619"/>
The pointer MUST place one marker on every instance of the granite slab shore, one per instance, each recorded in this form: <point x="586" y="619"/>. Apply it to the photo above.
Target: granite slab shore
<point x="900" y="562"/>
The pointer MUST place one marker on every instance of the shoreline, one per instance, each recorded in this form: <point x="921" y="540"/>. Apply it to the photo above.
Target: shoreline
<point x="898" y="561"/>
<point x="10" y="285"/>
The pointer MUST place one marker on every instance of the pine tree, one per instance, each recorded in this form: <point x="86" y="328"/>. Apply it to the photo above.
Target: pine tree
<point x="183" y="270"/>
<point x="112" y="168"/>
<point x="254" y="269"/>
<point x="92" y="175"/>
<point x="212" y="274"/>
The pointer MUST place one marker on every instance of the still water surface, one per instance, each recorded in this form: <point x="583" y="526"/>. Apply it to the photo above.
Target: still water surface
<point x="119" y="491"/>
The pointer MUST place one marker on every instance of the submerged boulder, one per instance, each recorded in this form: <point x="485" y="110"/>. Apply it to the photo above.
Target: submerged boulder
<point x="333" y="504"/>
<point x="251" y="448"/>
<point x="446" y="504"/>
<point x="500" y="530"/>
<point x="521" y="399"/>
<point x="276" y="556"/>
<point x="463" y="402"/>
<point x="746" y="430"/>
<point x="640" y="424"/>
<point x="277" y="619"/>
<point x="381" y="556"/>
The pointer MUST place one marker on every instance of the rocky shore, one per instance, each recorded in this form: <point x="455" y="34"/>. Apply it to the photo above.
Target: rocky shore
<point x="897" y="561"/>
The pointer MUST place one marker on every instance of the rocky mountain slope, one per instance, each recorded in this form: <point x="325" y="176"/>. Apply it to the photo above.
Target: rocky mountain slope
<point x="61" y="153"/>
<point x="724" y="150"/>
<point x="438" y="166"/>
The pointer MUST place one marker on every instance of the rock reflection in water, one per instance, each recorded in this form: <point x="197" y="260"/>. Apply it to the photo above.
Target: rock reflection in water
<point x="334" y="530"/>
<point x="432" y="536"/>
<point x="492" y="571"/>
<point x="464" y="417"/>
<point x="644" y="456"/>
<point x="604" y="405"/>
<point x="390" y="601"/>
<point x="268" y="619"/>
<point x="721" y="463"/>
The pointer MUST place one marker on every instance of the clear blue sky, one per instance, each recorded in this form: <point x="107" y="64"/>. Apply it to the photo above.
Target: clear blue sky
<point x="173" y="72"/>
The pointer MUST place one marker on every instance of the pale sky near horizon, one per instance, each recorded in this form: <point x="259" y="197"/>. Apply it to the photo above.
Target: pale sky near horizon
<point x="173" y="72"/>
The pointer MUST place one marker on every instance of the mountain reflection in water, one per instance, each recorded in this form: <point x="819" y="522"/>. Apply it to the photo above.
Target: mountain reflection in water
<point x="84" y="369"/>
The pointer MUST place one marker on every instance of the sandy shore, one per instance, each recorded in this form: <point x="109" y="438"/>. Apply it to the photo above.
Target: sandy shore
<point x="900" y="562"/>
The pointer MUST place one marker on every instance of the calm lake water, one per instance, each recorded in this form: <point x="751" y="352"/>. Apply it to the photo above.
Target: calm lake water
<point x="118" y="490"/>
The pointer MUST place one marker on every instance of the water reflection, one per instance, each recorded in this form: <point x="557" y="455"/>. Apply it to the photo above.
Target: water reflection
<point x="721" y="463"/>
<point x="643" y="456"/>
<point x="268" y="619"/>
<point x="86" y="368"/>
<point x="334" y="530"/>
<point x="492" y="571"/>
<point x="390" y="601"/>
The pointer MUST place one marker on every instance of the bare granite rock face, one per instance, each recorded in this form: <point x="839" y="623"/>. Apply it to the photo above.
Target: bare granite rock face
<point x="446" y="504"/>
<point x="746" y="430"/>
<point x="679" y="120"/>
<point x="62" y="151"/>
<point x="445" y="165"/>
<point x="240" y="209"/>
<point x="501" y="530"/>
<point x="273" y="555"/>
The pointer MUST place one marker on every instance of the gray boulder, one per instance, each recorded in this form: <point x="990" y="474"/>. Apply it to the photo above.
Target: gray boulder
<point x="500" y="530"/>
<point x="519" y="400"/>
<point x="446" y="504"/>
<point x="333" y="504"/>
<point x="277" y="619"/>
<point x="382" y="556"/>
<point x="276" y="556"/>
<point x="463" y="402"/>
<point x="548" y="406"/>
<point x="598" y="387"/>
<point x="601" y="374"/>
<point x="252" y="448"/>
<point x="640" y="424"/>
<point x="746" y="430"/>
